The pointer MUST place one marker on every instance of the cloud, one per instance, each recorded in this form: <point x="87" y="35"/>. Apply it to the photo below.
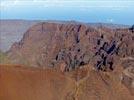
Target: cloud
<point x="16" y="1"/>
<point x="110" y="20"/>
<point x="81" y="4"/>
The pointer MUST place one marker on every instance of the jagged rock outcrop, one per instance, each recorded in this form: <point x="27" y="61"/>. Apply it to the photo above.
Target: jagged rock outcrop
<point x="74" y="45"/>
<point x="132" y="28"/>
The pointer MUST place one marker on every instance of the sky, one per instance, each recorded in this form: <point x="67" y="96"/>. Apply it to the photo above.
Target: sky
<point x="89" y="11"/>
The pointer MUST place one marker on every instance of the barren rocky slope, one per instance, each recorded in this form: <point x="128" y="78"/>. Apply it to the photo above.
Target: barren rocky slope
<point x="24" y="83"/>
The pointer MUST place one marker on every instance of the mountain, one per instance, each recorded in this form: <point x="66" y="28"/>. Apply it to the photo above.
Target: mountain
<point x="69" y="61"/>
<point x="73" y="44"/>
<point x="109" y="25"/>
<point x="13" y="30"/>
<point x="70" y="46"/>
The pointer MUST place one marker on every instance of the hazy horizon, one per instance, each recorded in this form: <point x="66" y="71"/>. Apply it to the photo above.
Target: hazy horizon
<point x="87" y="11"/>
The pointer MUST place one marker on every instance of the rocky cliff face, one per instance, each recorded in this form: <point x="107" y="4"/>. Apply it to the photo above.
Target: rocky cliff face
<point x="74" y="45"/>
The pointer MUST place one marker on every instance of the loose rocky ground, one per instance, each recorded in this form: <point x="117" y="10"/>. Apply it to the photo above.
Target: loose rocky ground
<point x="27" y="83"/>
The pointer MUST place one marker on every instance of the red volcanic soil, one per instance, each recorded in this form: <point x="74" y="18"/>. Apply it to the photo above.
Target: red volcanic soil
<point x="22" y="83"/>
<point x="26" y="83"/>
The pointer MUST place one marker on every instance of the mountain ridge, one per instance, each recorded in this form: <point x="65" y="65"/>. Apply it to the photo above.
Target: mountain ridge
<point x="20" y="26"/>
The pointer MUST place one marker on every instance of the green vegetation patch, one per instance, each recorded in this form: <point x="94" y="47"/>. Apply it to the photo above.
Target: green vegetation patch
<point x="4" y="58"/>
